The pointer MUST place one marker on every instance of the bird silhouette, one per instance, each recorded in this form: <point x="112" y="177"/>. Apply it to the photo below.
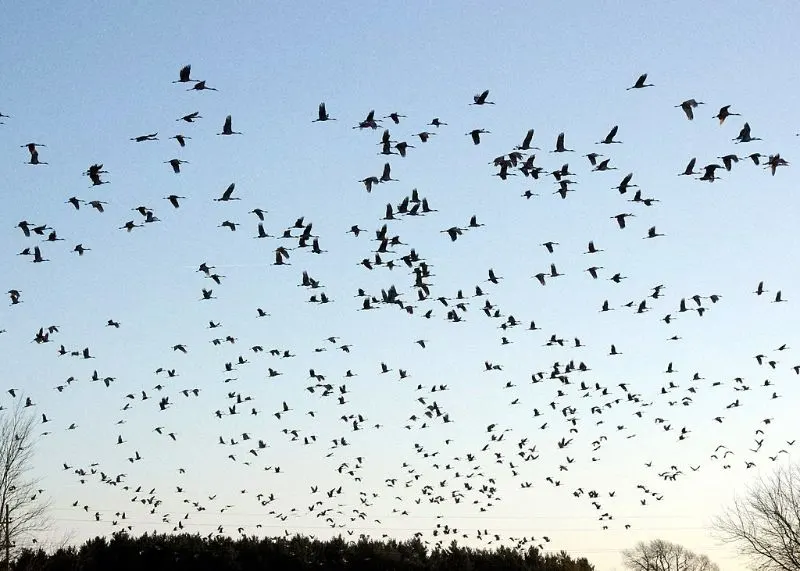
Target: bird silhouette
<point x="201" y="86"/>
<point x="226" y="128"/>
<point x="176" y="164"/>
<point x="322" y="114"/>
<point x="724" y="113"/>
<point x="689" y="106"/>
<point x="560" y="148"/>
<point x="190" y="118"/>
<point x="476" y="135"/>
<point x="227" y="194"/>
<point x="480" y="99"/>
<point x="609" y="139"/>
<point x="640" y="82"/>
<point x="183" y="75"/>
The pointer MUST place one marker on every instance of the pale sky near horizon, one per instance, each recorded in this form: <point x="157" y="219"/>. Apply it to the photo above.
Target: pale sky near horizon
<point x="83" y="79"/>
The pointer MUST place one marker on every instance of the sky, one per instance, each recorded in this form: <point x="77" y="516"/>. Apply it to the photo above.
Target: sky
<point x="85" y="79"/>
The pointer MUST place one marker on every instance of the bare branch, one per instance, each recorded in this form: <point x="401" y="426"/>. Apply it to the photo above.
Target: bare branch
<point x="764" y="523"/>
<point x="20" y="495"/>
<point x="660" y="555"/>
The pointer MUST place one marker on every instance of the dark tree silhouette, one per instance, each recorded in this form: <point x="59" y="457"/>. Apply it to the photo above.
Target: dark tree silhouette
<point x="20" y="499"/>
<point x="122" y="552"/>
<point x="660" y="555"/>
<point x="764" y="523"/>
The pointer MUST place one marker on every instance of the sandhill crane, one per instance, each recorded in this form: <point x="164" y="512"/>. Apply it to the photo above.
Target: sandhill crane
<point x="369" y="182"/>
<point x="436" y="122"/>
<point x="37" y="256"/>
<point x="591" y="248"/>
<point x="201" y="86"/>
<point x="183" y="75"/>
<point x="173" y="200"/>
<point x="176" y="164"/>
<point x="688" y="107"/>
<point x="402" y="146"/>
<point x="32" y="149"/>
<point x="651" y="233"/>
<point x="226" y="196"/>
<point x="724" y="113"/>
<point x="322" y="114"/>
<point x="129" y="226"/>
<point x="261" y="232"/>
<point x="454" y="232"/>
<point x="97" y="205"/>
<point x="228" y="224"/>
<point x="709" y="174"/>
<point x="259" y="213"/>
<point x="226" y="128"/>
<point x="689" y="170"/>
<point x="142" y="138"/>
<point x="776" y="161"/>
<point x="620" y="218"/>
<point x="603" y="166"/>
<point x="640" y="83"/>
<point x="281" y="255"/>
<point x="190" y="118"/>
<point x="94" y="172"/>
<point x="593" y="271"/>
<point x="728" y="161"/>
<point x="560" y="148"/>
<point x="480" y="99"/>
<point x="476" y="135"/>
<point x="744" y="136"/>
<point x="386" y="176"/>
<point x="526" y="142"/>
<point x="473" y="222"/>
<point x="368" y="122"/>
<point x="593" y="158"/>
<point x="395" y="117"/>
<point x="609" y="139"/>
<point x="625" y="184"/>
<point x="181" y="139"/>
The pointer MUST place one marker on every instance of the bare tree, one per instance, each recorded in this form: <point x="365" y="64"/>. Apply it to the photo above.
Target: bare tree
<point x="660" y="555"/>
<point x="764" y="523"/>
<point x="23" y="508"/>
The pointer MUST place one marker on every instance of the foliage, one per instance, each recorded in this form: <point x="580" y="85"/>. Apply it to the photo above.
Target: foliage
<point x="185" y="552"/>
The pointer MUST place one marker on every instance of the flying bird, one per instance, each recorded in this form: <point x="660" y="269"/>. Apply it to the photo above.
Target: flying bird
<point x="688" y="107"/>
<point x="476" y="135"/>
<point x="226" y="196"/>
<point x="190" y="118"/>
<point x="609" y="139"/>
<point x="176" y="164"/>
<point x="724" y="113"/>
<point x="226" y="128"/>
<point x="183" y="75"/>
<point x="640" y="83"/>
<point x="322" y="114"/>
<point x="142" y="138"/>
<point x="480" y="99"/>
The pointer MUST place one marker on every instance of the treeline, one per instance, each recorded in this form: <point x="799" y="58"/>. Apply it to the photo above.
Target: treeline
<point x="122" y="552"/>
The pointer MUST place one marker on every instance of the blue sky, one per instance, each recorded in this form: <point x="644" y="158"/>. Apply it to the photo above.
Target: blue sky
<point x="86" y="78"/>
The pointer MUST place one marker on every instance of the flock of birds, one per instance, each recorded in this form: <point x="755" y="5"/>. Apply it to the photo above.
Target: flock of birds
<point x="567" y="421"/>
